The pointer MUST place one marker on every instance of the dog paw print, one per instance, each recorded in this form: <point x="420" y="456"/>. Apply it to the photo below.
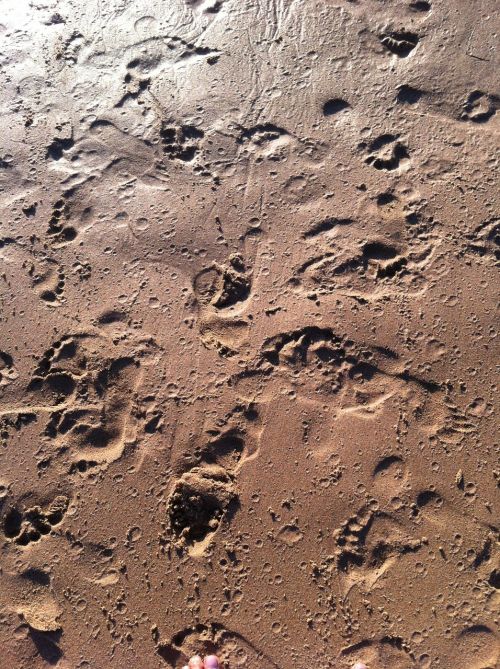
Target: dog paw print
<point x="8" y="372"/>
<point x="30" y="524"/>
<point x="181" y="142"/>
<point x="48" y="280"/>
<point x="386" y="152"/>
<point x="59" y="232"/>
<point x="480" y="107"/>
<point x="370" y="539"/>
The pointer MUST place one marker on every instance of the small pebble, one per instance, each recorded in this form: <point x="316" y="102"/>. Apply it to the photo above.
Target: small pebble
<point x="360" y="665"/>
<point x="195" y="662"/>
<point x="211" y="662"/>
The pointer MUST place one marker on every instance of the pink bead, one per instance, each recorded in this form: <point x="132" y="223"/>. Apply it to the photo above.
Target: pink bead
<point x="211" y="662"/>
<point x="195" y="662"/>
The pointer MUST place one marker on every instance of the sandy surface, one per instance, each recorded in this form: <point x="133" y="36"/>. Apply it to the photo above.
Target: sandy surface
<point x="249" y="272"/>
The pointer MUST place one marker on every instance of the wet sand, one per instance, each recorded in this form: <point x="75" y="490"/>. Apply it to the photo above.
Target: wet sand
<point x="249" y="276"/>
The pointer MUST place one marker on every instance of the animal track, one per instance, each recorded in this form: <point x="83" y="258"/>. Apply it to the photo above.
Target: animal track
<point x="8" y="372"/>
<point x="304" y="346"/>
<point x="181" y="142"/>
<point x="15" y="421"/>
<point x="48" y="280"/>
<point x="310" y="345"/>
<point x="59" y="233"/>
<point x="100" y="428"/>
<point x="30" y="524"/>
<point x="386" y="152"/>
<point x="61" y="351"/>
<point x="480" y="107"/>
<point x="401" y="43"/>
<point x="185" y="50"/>
<point x="369" y="539"/>
<point x="56" y="149"/>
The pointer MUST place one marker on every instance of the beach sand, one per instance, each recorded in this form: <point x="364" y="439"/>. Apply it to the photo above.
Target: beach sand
<point x="249" y="280"/>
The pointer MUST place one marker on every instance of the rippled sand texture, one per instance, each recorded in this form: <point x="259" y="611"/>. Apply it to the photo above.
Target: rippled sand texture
<point x="249" y="272"/>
